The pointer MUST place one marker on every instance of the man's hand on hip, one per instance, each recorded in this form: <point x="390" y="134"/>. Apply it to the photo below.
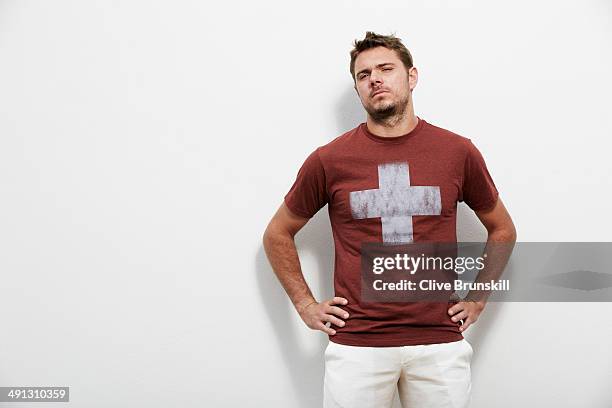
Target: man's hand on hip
<point x="467" y="312"/>
<point x="316" y="314"/>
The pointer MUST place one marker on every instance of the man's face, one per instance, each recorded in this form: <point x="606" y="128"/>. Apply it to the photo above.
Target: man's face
<point x="382" y="83"/>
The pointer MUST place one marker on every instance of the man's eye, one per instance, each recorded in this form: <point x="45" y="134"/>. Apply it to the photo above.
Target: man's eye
<point x="387" y="69"/>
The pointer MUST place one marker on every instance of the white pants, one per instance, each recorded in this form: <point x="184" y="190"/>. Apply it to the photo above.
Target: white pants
<point x="425" y="376"/>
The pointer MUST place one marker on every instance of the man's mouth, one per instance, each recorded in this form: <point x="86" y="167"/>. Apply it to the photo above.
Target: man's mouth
<point x="378" y="92"/>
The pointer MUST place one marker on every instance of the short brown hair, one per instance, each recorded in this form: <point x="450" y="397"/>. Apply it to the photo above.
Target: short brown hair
<point x="373" y="40"/>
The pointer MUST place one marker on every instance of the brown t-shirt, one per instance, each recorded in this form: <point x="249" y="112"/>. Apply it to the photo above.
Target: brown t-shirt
<point x="398" y="190"/>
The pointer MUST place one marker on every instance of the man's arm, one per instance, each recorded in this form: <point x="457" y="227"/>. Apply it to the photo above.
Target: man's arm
<point x="500" y="241"/>
<point x="498" y="223"/>
<point x="279" y="244"/>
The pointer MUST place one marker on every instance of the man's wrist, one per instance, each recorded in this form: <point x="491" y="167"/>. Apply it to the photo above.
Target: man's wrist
<point x="481" y="301"/>
<point x="303" y="305"/>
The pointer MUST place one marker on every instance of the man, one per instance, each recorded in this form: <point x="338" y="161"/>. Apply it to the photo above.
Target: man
<point x="377" y="348"/>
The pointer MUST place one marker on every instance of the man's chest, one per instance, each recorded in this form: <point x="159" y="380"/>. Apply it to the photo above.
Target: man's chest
<point x="394" y="190"/>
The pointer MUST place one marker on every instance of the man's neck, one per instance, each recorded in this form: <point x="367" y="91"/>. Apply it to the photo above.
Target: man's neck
<point x="393" y="128"/>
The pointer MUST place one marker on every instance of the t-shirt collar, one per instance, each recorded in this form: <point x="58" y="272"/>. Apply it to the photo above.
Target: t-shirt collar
<point x="395" y="139"/>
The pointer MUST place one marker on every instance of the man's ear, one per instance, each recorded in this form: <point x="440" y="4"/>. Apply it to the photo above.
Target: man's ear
<point x="413" y="78"/>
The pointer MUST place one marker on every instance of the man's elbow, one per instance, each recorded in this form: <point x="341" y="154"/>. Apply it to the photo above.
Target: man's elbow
<point x="267" y="236"/>
<point x="511" y="234"/>
<point x="272" y="234"/>
<point x="505" y="233"/>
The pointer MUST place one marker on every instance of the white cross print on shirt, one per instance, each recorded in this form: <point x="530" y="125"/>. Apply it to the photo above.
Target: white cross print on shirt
<point x="395" y="201"/>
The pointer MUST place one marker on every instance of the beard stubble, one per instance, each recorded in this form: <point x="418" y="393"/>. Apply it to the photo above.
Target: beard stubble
<point x="389" y="114"/>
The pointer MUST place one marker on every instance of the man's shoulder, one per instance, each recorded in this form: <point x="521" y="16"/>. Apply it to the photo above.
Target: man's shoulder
<point x="447" y="136"/>
<point x="339" y="147"/>
<point x="341" y="141"/>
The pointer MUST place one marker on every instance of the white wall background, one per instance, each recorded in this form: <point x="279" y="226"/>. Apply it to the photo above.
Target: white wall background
<point x="144" y="145"/>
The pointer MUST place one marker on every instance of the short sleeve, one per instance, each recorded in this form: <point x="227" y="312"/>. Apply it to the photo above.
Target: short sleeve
<point x="308" y="194"/>
<point x="478" y="189"/>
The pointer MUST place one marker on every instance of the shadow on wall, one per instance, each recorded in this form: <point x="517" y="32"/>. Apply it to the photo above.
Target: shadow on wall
<point x="349" y="111"/>
<point x="470" y="229"/>
<point x="305" y="368"/>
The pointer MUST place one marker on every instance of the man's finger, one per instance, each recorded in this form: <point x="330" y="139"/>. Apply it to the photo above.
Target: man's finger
<point x="337" y="311"/>
<point x="459" y="316"/>
<point x="334" y="320"/>
<point x="456" y="308"/>
<point x="325" y="329"/>
<point x="466" y="323"/>
<point x="337" y="300"/>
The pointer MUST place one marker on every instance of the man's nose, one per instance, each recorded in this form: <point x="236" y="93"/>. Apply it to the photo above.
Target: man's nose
<point x="375" y="78"/>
